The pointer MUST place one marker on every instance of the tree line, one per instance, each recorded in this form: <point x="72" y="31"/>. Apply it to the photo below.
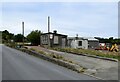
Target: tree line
<point x="109" y="40"/>
<point x="33" y="37"/>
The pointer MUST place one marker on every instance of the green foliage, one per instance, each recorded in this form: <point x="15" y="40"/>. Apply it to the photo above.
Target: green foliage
<point x="11" y="45"/>
<point x="6" y="36"/>
<point x="0" y="37"/>
<point x="34" y="37"/>
<point x="108" y="40"/>
<point x="18" y="38"/>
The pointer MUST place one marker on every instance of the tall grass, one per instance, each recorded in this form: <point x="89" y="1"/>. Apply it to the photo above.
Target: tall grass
<point x="108" y="54"/>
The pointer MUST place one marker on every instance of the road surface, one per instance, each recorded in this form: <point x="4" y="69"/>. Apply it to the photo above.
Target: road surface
<point x="17" y="65"/>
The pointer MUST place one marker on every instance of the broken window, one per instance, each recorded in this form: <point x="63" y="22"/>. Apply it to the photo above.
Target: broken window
<point x="79" y="43"/>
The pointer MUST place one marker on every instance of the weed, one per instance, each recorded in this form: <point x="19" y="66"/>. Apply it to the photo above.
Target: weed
<point x="32" y="49"/>
<point x="90" y="52"/>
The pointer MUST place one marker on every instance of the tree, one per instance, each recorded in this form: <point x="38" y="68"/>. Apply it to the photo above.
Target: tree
<point x="10" y="36"/>
<point x="6" y="36"/>
<point x="18" y="38"/>
<point x="34" y="37"/>
<point x="111" y="40"/>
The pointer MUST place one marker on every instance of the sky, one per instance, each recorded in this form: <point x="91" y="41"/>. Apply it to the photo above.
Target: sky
<point x="87" y="19"/>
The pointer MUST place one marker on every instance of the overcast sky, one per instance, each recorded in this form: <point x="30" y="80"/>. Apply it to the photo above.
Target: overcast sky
<point x="83" y="18"/>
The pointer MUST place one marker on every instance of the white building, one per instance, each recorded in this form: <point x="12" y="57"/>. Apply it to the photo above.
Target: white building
<point x="74" y="42"/>
<point x="83" y="42"/>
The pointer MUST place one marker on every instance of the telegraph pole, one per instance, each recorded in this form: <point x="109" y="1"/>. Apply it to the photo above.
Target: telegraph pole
<point x="23" y="32"/>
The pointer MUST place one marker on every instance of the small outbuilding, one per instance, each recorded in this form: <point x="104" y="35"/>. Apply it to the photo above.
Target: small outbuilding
<point x="83" y="42"/>
<point x="92" y="42"/>
<point x="53" y="39"/>
<point x="77" y="42"/>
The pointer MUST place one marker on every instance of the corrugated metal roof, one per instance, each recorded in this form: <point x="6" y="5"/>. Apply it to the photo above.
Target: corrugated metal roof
<point x="91" y="38"/>
<point x="88" y="38"/>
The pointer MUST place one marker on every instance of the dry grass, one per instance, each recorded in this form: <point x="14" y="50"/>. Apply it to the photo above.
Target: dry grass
<point x="108" y="54"/>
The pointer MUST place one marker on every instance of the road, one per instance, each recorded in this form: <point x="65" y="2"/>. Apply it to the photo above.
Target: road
<point x="17" y="65"/>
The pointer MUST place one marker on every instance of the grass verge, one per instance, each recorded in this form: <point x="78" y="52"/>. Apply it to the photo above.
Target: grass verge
<point x="115" y="55"/>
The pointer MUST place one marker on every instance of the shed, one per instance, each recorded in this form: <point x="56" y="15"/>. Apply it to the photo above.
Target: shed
<point x="53" y="39"/>
<point x="83" y="42"/>
<point x="92" y="42"/>
<point x="77" y="42"/>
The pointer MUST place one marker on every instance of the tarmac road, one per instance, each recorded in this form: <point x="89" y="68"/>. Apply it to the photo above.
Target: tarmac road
<point x="17" y="65"/>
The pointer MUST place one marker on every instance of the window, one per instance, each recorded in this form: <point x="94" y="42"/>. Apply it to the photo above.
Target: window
<point x="79" y="43"/>
<point x="55" y="39"/>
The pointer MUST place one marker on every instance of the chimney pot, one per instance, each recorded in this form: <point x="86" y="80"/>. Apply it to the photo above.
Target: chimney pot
<point x="55" y="31"/>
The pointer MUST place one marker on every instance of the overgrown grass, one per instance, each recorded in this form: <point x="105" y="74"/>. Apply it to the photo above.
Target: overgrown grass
<point x="53" y="55"/>
<point x="32" y="49"/>
<point x="115" y="55"/>
<point x="10" y="45"/>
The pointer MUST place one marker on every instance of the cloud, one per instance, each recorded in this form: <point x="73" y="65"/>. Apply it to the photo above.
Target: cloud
<point x="59" y="0"/>
<point x="86" y="19"/>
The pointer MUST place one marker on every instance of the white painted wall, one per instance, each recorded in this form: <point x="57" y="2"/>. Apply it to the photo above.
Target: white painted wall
<point x="74" y="44"/>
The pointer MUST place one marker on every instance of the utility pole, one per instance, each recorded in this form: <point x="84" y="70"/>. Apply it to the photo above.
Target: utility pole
<point x="23" y="32"/>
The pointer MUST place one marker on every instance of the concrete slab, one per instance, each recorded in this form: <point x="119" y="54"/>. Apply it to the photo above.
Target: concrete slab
<point x="105" y="69"/>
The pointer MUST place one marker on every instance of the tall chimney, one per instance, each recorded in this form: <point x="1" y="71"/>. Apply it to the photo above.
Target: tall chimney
<point x="48" y="24"/>
<point x="23" y="31"/>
